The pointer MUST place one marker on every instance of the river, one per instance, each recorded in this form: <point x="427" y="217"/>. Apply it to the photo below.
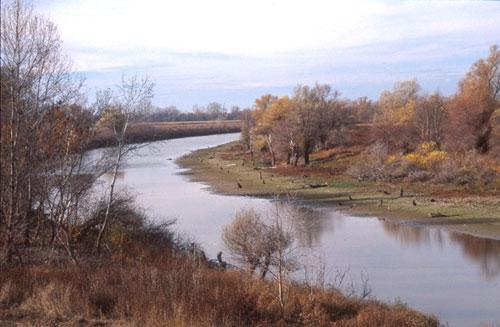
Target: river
<point x="454" y="276"/>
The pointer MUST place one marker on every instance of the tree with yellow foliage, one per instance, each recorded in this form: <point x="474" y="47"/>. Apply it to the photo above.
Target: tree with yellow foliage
<point x="264" y="122"/>
<point x="398" y="105"/>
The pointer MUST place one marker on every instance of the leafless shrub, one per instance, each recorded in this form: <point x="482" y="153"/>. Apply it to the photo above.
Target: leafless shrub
<point x="419" y="176"/>
<point x="267" y="246"/>
<point x="246" y="239"/>
<point x="447" y="172"/>
<point x="371" y="165"/>
<point x="470" y="169"/>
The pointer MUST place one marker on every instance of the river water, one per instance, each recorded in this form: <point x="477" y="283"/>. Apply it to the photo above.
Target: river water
<point x="454" y="276"/>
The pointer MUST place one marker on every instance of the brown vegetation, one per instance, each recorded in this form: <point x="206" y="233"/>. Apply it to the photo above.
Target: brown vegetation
<point x="154" y="131"/>
<point x="149" y="279"/>
<point x="69" y="257"/>
<point x="405" y="136"/>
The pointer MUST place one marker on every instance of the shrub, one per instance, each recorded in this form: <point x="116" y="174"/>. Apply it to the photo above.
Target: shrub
<point x="427" y="157"/>
<point x="419" y="176"/>
<point x="391" y="159"/>
<point x="371" y="165"/>
<point x="448" y="171"/>
<point x="468" y="169"/>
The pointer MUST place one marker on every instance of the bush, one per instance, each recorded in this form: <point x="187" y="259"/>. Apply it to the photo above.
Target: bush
<point x="371" y="165"/>
<point x="419" y="176"/>
<point x="470" y="169"/>
<point x="427" y="163"/>
<point x="427" y="157"/>
<point x="448" y="171"/>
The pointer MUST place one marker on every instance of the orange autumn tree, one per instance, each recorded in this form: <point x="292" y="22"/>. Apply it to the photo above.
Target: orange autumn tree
<point x="471" y="110"/>
<point x="263" y="125"/>
<point x="273" y="123"/>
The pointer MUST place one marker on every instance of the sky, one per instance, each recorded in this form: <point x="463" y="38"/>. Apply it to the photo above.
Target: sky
<point x="231" y="51"/>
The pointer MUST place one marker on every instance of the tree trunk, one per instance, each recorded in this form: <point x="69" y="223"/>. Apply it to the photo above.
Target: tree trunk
<point x="110" y="200"/>
<point x="271" y="150"/>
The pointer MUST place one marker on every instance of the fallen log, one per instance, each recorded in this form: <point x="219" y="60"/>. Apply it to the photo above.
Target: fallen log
<point x="317" y="185"/>
<point x="437" y="215"/>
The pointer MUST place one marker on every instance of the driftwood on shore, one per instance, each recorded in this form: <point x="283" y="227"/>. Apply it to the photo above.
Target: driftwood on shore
<point x="317" y="185"/>
<point x="437" y="215"/>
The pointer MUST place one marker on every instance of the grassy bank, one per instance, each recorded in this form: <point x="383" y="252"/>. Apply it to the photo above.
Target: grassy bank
<point x="155" y="131"/>
<point x="147" y="278"/>
<point x="230" y="170"/>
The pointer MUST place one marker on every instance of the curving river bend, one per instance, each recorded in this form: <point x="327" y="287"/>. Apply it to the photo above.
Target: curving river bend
<point x="455" y="276"/>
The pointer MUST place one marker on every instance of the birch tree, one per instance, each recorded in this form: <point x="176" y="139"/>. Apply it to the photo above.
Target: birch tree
<point x="133" y="97"/>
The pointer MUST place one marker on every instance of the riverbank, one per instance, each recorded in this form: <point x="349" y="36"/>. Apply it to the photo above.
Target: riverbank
<point x="156" y="131"/>
<point x="147" y="276"/>
<point x="229" y="170"/>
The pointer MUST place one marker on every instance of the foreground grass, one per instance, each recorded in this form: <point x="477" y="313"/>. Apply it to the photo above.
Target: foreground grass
<point x="229" y="170"/>
<point x="146" y="285"/>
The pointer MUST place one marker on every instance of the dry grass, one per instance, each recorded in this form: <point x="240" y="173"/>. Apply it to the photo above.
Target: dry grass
<point x="154" y="281"/>
<point x="175" y="291"/>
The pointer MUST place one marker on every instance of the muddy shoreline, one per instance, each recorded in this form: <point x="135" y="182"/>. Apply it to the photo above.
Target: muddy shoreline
<point x="228" y="174"/>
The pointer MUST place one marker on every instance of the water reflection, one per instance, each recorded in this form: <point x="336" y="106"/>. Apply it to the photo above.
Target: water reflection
<point x="429" y="268"/>
<point x="310" y="225"/>
<point x="410" y="235"/>
<point x="484" y="252"/>
<point x="313" y="227"/>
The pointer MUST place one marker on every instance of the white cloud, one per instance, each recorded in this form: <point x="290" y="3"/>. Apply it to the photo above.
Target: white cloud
<point x="259" y="27"/>
<point x="231" y="44"/>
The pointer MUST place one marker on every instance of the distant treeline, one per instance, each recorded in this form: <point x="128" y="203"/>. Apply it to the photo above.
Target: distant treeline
<point x="213" y="111"/>
<point x="147" y="131"/>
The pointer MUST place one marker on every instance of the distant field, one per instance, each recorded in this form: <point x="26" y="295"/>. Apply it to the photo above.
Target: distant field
<point x="154" y="131"/>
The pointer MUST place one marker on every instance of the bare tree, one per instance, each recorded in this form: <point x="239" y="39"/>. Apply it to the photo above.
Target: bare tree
<point x="134" y="96"/>
<point x="35" y="77"/>
<point x="428" y="118"/>
<point x="264" y="245"/>
<point x="281" y="240"/>
<point x="311" y="107"/>
<point x="246" y="129"/>
<point x="65" y="175"/>
<point x="245" y="238"/>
